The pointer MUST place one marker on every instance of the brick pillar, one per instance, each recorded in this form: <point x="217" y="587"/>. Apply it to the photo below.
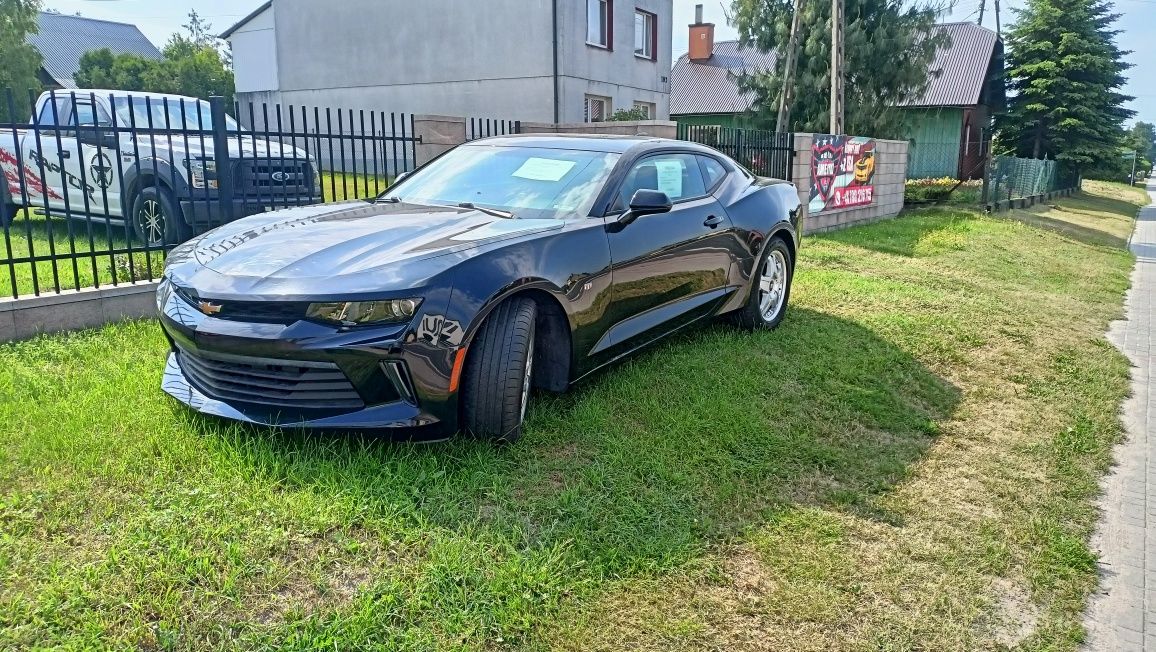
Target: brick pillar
<point x="439" y="134"/>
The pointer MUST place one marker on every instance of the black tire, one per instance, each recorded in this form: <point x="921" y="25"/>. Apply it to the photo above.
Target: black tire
<point x="498" y="372"/>
<point x="8" y="214"/>
<point x="157" y="219"/>
<point x="754" y="315"/>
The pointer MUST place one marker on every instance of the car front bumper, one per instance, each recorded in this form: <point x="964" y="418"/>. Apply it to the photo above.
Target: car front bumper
<point x="307" y="375"/>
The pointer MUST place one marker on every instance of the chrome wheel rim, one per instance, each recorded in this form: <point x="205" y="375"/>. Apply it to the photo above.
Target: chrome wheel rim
<point x="773" y="286"/>
<point x="151" y="219"/>
<point x="526" y="378"/>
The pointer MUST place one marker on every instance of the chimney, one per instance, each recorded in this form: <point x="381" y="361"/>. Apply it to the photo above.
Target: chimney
<point x="701" y="37"/>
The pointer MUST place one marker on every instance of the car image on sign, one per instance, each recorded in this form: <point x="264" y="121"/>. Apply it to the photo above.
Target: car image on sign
<point x="505" y="265"/>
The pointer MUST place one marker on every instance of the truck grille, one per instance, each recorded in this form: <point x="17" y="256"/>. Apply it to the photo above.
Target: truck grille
<point x="258" y="178"/>
<point x="270" y="382"/>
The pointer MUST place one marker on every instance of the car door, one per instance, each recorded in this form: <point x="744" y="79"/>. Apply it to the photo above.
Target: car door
<point x="671" y="268"/>
<point x="95" y="166"/>
<point x="47" y="180"/>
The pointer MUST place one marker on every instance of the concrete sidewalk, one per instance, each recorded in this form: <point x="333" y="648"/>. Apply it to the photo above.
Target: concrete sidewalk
<point x="1122" y="613"/>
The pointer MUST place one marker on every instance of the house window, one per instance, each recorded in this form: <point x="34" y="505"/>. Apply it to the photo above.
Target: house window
<point x="646" y="108"/>
<point x="597" y="108"/>
<point x="645" y="35"/>
<point x="599" y="23"/>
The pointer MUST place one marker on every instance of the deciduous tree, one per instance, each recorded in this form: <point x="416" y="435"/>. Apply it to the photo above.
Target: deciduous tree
<point x="888" y="46"/>
<point x="19" y="61"/>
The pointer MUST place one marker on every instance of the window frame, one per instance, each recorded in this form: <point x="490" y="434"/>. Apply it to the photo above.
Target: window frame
<point x="726" y="172"/>
<point x="615" y="208"/>
<point x="606" y="29"/>
<point x="607" y="108"/>
<point x="652" y="18"/>
<point x="651" y="108"/>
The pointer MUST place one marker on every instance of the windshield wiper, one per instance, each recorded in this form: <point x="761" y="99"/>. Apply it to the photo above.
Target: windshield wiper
<point x="488" y="211"/>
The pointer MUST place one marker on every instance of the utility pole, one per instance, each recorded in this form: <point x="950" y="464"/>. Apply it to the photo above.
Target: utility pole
<point x="982" y="3"/>
<point x="1132" y="179"/>
<point x="836" y="67"/>
<point x="787" y="96"/>
<point x="997" y="30"/>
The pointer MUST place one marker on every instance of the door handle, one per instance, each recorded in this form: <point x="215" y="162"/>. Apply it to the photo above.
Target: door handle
<point x="713" y="221"/>
<point x="65" y="154"/>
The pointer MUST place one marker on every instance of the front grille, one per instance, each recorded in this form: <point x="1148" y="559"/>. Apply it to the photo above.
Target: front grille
<point x="297" y="384"/>
<point x="259" y="178"/>
<point x="273" y="312"/>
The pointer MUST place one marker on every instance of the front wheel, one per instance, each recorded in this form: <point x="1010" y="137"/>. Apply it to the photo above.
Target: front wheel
<point x="770" y="288"/>
<point x="157" y="219"/>
<point x="498" y="373"/>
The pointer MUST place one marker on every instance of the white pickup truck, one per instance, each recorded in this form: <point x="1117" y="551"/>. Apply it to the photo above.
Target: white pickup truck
<point x="99" y="154"/>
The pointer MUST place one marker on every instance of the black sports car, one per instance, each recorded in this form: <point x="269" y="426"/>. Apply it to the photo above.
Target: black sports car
<point x="505" y="264"/>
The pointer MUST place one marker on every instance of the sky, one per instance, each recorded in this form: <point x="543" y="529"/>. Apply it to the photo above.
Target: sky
<point x="160" y="18"/>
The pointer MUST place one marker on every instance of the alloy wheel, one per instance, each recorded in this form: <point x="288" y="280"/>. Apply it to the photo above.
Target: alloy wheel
<point x="772" y="285"/>
<point x="526" y="378"/>
<point x="151" y="219"/>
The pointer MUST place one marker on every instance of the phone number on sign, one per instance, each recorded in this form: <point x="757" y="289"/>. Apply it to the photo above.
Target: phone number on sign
<point x="853" y="196"/>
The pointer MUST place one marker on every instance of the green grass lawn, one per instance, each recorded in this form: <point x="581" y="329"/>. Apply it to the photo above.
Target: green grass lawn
<point x="909" y="462"/>
<point x="41" y="236"/>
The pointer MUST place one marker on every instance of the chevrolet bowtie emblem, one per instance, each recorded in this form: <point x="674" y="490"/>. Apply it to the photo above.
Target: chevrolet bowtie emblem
<point x="209" y="308"/>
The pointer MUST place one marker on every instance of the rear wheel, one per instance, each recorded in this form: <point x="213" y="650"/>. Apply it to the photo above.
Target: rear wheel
<point x="770" y="289"/>
<point x="499" y="372"/>
<point x="157" y="219"/>
<point x="8" y="214"/>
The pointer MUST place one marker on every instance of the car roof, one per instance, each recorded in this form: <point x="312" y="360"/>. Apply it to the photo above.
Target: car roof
<point x="588" y="142"/>
<point x="106" y="93"/>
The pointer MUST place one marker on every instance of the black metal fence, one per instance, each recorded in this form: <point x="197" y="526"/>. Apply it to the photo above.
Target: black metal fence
<point x="766" y="153"/>
<point x="486" y="127"/>
<point x="98" y="188"/>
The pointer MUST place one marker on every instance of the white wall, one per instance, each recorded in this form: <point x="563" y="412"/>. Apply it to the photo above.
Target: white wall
<point x="255" y="54"/>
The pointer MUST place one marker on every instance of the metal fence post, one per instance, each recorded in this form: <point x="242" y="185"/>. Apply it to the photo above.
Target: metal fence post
<point x="221" y="155"/>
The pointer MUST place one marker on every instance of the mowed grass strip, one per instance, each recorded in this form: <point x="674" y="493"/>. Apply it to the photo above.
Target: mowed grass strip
<point x="907" y="463"/>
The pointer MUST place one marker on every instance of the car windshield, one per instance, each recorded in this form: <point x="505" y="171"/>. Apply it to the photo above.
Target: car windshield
<point x="526" y="181"/>
<point x="166" y="113"/>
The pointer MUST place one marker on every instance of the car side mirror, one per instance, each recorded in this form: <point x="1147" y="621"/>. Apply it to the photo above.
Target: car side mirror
<point x="97" y="136"/>
<point x="646" y="202"/>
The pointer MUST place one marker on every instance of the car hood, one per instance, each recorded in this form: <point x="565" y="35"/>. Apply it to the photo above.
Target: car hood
<point x="339" y="250"/>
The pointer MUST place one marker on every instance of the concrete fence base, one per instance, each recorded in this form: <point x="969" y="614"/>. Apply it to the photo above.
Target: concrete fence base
<point x="75" y="309"/>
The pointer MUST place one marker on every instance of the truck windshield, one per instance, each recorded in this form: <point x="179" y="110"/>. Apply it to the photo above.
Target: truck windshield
<point x="166" y="113"/>
<point x="526" y="181"/>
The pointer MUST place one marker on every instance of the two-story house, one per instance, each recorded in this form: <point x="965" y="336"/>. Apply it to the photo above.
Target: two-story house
<point x="536" y="60"/>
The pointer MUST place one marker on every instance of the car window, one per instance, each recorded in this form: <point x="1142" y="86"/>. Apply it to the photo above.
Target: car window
<point x="678" y="175"/>
<point x="86" y="115"/>
<point x="713" y="171"/>
<point x="49" y="116"/>
<point x="530" y="182"/>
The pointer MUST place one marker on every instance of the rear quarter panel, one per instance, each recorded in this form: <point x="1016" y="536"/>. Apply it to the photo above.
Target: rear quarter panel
<point x="759" y="210"/>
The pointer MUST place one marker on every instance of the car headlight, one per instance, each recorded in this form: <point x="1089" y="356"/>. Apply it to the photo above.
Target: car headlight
<point x="356" y="313"/>
<point x="202" y="172"/>
<point x="164" y="292"/>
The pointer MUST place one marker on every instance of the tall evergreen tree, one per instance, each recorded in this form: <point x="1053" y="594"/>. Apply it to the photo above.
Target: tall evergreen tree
<point x="888" y="46"/>
<point x="1065" y="73"/>
<point x="19" y="61"/>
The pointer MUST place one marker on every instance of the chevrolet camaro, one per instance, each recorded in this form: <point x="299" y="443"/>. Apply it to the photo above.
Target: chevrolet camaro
<point x="505" y="265"/>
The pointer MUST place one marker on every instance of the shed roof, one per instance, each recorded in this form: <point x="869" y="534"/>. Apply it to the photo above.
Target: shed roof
<point x="957" y="74"/>
<point x="711" y="86"/>
<point x="62" y="40"/>
<point x="959" y="71"/>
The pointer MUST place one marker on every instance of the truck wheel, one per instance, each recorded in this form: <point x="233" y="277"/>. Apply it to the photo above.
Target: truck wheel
<point x="156" y="218"/>
<point x="770" y="289"/>
<point x="8" y="214"/>
<point x="496" y="386"/>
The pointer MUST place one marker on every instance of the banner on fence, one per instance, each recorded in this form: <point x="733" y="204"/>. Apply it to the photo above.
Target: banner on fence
<point x="842" y="172"/>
